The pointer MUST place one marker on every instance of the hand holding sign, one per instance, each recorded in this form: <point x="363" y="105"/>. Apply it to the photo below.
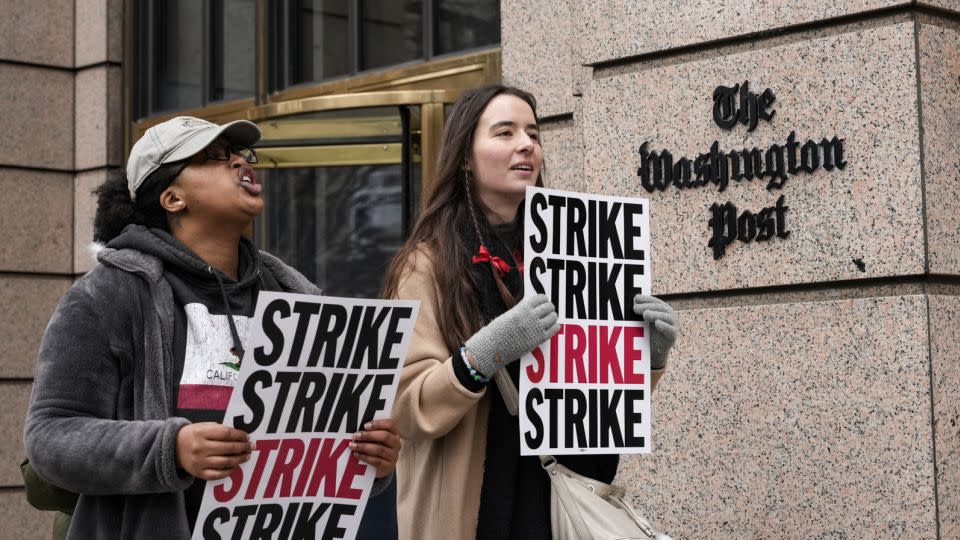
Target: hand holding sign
<point x="663" y="327"/>
<point x="317" y="371"/>
<point x="378" y="445"/>
<point x="210" y="451"/>
<point x="515" y="332"/>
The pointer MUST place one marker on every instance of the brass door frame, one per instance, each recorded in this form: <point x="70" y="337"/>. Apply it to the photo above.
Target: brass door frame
<point x="431" y="103"/>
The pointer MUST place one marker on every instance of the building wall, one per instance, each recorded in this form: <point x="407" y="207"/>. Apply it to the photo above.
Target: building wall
<point x="806" y="398"/>
<point x="60" y="111"/>
<point x="813" y="392"/>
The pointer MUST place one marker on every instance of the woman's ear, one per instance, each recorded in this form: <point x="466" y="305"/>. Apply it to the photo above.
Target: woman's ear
<point x="171" y="200"/>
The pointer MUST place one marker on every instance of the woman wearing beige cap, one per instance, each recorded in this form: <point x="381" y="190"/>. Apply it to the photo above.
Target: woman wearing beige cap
<point x="138" y="363"/>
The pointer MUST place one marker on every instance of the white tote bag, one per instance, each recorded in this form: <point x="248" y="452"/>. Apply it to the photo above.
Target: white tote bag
<point x="585" y="509"/>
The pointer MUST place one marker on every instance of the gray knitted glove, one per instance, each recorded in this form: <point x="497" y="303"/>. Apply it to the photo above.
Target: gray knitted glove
<point x="663" y="327"/>
<point x="515" y="332"/>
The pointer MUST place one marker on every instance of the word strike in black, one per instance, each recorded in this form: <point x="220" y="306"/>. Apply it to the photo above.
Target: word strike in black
<point x="586" y="290"/>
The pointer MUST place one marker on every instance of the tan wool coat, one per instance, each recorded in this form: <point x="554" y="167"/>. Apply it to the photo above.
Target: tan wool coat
<point x="442" y="423"/>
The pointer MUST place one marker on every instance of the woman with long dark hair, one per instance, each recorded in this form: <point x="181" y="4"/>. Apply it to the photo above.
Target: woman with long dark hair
<point x="460" y="473"/>
<point x="138" y="363"/>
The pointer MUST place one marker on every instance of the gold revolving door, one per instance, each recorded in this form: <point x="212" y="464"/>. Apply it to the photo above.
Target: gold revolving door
<point x="343" y="179"/>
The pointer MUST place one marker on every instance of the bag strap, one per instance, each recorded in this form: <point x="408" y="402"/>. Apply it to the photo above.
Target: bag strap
<point x="511" y="398"/>
<point x="551" y="466"/>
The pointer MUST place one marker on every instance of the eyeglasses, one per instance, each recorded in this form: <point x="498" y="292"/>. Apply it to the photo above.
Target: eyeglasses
<point x="222" y="153"/>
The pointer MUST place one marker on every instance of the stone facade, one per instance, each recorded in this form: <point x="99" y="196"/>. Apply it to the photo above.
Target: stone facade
<point x="60" y="88"/>
<point x="813" y="391"/>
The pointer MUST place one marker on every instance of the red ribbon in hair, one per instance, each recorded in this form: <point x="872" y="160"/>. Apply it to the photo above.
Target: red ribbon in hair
<point x="499" y="264"/>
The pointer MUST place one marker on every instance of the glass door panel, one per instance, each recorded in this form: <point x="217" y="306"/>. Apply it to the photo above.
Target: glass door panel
<point x="342" y="188"/>
<point x="340" y="226"/>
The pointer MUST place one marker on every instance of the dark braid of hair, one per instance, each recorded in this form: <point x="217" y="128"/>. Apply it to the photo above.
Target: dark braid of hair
<point x="116" y="210"/>
<point x="508" y="299"/>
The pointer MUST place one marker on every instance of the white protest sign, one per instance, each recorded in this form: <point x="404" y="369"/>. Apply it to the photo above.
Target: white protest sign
<point x="315" y="370"/>
<point x="587" y="389"/>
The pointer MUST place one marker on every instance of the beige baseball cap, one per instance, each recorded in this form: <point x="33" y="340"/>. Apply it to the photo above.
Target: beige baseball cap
<point x="178" y="139"/>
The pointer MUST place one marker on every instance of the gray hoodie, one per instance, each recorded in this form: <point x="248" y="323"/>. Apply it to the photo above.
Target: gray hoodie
<point x="101" y="419"/>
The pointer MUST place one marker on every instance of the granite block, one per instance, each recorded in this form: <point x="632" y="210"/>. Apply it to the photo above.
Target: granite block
<point x="563" y="155"/>
<point x="859" y="222"/>
<point x="536" y="52"/>
<point x="793" y="421"/>
<point x="100" y="33"/>
<point x="20" y="520"/>
<point x="36" y="217"/>
<point x="28" y="302"/>
<point x="99" y="128"/>
<point x="37" y="32"/>
<point x="16" y="398"/>
<point x="940" y="114"/>
<point x="115" y="30"/>
<point x="945" y="359"/>
<point x="951" y="5"/>
<point x="616" y="29"/>
<point x="37" y="109"/>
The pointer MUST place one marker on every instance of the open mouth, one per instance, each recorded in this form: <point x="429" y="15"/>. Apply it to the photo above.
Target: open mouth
<point x="248" y="180"/>
<point x="522" y="167"/>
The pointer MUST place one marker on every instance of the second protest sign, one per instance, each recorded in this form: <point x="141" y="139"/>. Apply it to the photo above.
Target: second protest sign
<point x="587" y="390"/>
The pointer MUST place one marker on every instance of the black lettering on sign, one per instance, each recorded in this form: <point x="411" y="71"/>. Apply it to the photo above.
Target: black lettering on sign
<point x="538" y="203"/>
<point x="590" y="417"/>
<point x="304" y="311"/>
<point x="251" y="397"/>
<point x="272" y="332"/>
<point x="590" y="288"/>
<point x="534" y="397"/>
<point x="332" y="321"/>
<point x="393" y="338"/>
<point x="369" y="337"/>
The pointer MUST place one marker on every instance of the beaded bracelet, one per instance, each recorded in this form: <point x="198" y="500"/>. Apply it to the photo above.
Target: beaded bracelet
<point x="477" y="376"/>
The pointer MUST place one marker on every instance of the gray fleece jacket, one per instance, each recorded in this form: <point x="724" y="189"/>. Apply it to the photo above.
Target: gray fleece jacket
<point x="100" y="421"/>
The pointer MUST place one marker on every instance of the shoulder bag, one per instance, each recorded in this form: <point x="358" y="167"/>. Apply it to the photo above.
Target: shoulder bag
<point x="585" y="509"/>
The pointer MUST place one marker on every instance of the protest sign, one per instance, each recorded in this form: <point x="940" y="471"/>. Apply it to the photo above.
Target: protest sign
<point x="315" y="370"/>
<point x="587" y="389"/>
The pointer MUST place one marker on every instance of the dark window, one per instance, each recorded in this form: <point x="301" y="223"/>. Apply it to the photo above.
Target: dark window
<point x="340" y="226"/>
<point x="311" y="41"/>
<point x="178" y="55"/>
<point x="338" y="207"/>
<point x="466" y="24"/>
<point x="234" y="58"/>
<point x="316" y="40"/>
<point x="190" y="53"/>
<point x="392" y="32"/>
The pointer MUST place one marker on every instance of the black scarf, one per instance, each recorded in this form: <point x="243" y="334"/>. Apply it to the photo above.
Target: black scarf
<point x="515" y="497"/>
